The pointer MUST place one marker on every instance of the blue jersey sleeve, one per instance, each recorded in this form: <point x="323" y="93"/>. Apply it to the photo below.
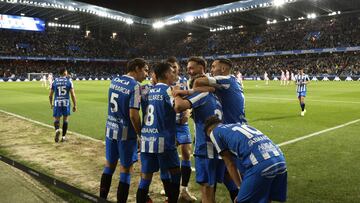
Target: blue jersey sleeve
<point x="220" y="81"/>
<point x="169" y="99"/>
<point x="197" y="99"/>
<point x="135" y="97"/>
<point x="215" y="137"/>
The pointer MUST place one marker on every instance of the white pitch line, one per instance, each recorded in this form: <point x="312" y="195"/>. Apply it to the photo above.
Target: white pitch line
<point x="317" y="133"/>
<point x="193" y="169"/>
<point x="315" y="100"/>
<point x="49" y="126"/>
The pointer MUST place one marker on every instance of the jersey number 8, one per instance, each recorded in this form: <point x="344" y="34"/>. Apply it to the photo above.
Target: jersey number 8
<point x="149" y="117"/>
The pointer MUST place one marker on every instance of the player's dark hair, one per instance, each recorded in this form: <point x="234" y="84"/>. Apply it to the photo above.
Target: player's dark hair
<point x="225" y="61"/>
<point x="62" y="70"/>
<point x="172" y="59"/>
<point x="198" y="60"/>
<point x="136" y="62"/>
<point x="160" y="70"/>
<point x="212" y="120"/>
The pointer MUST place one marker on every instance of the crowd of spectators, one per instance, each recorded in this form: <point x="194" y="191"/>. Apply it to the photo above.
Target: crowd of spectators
<point x="325" y="32"/>
<point x="20" y="68"/>
<point x="340" y="64"/>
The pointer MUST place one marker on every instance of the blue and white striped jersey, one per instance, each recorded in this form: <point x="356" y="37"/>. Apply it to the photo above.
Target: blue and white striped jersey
<point x="204" y="105"/>
<point x="61" y="87"/>
<point x="159" y="128"/>
<point x="124" y="93"/>
<point x="231" y="95"/>
<point x="249" y="144"/>
<point x="182" y="83"/>
<point x="144" y="91"/>
<point x="300" y="79"/>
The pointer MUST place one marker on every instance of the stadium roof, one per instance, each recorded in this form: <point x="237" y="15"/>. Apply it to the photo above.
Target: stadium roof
<point x="249" y="12"/>
<point x="156" y="8"/>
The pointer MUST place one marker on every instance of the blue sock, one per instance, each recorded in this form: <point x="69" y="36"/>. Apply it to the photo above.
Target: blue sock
<point x="125" y="178"/>
<point x="107" y="170"/>
<point x="144" y="184"/>
<point x="175" y="178"/>
<point x="186" y="163"/>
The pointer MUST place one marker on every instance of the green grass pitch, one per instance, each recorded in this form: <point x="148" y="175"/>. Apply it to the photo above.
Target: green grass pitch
<point x="323" y="168"/>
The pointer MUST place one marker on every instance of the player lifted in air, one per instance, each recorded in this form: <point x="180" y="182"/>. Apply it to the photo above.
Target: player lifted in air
<point x="123" y="126"/>
<point x="62" y="87"/>
<point x="265" y="175"/>
<point x="158" y="133"/>
<point x="301" y="81"/>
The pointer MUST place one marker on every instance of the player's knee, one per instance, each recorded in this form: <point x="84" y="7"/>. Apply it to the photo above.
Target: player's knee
<point x="111" y="166"/>
<point x="185" y="151"/>
<point x="108" y="170"/>
<point x="125" y="169"/>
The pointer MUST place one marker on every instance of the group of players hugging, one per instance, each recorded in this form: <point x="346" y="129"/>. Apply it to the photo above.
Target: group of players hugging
<point x="226" y="149"/>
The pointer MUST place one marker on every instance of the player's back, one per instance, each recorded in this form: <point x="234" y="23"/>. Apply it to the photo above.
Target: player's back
<point x="144" y="91"/>
<point x="123" y="94"/>
<point x="204" y="105"/>
<point x="159" y="129"/>
<point x="232" y="99"/>
<point x="61" y="87"/>
<point x="251" y="145"/>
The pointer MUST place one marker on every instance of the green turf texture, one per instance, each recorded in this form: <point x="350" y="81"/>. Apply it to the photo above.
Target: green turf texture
<point x="321" y="169"/>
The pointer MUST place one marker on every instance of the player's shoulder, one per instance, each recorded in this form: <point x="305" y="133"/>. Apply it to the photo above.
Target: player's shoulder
<point x="224" y="77"/>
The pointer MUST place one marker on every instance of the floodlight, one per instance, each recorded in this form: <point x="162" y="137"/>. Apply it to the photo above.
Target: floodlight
<point x="205" y="15"/>
<point x="278" y="2"/>
<point x="189" y="19"/>
<point x="311" y="16"/>
<point x="129" y="21"/>
<point x="158" y="24"/>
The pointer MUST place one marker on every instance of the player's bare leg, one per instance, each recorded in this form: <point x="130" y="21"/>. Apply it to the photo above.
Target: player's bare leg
<point x="106" y="178"/>
<point x="57" y="130"/>
<point x="207" y="194"/>
<point x="186" y="173"/>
